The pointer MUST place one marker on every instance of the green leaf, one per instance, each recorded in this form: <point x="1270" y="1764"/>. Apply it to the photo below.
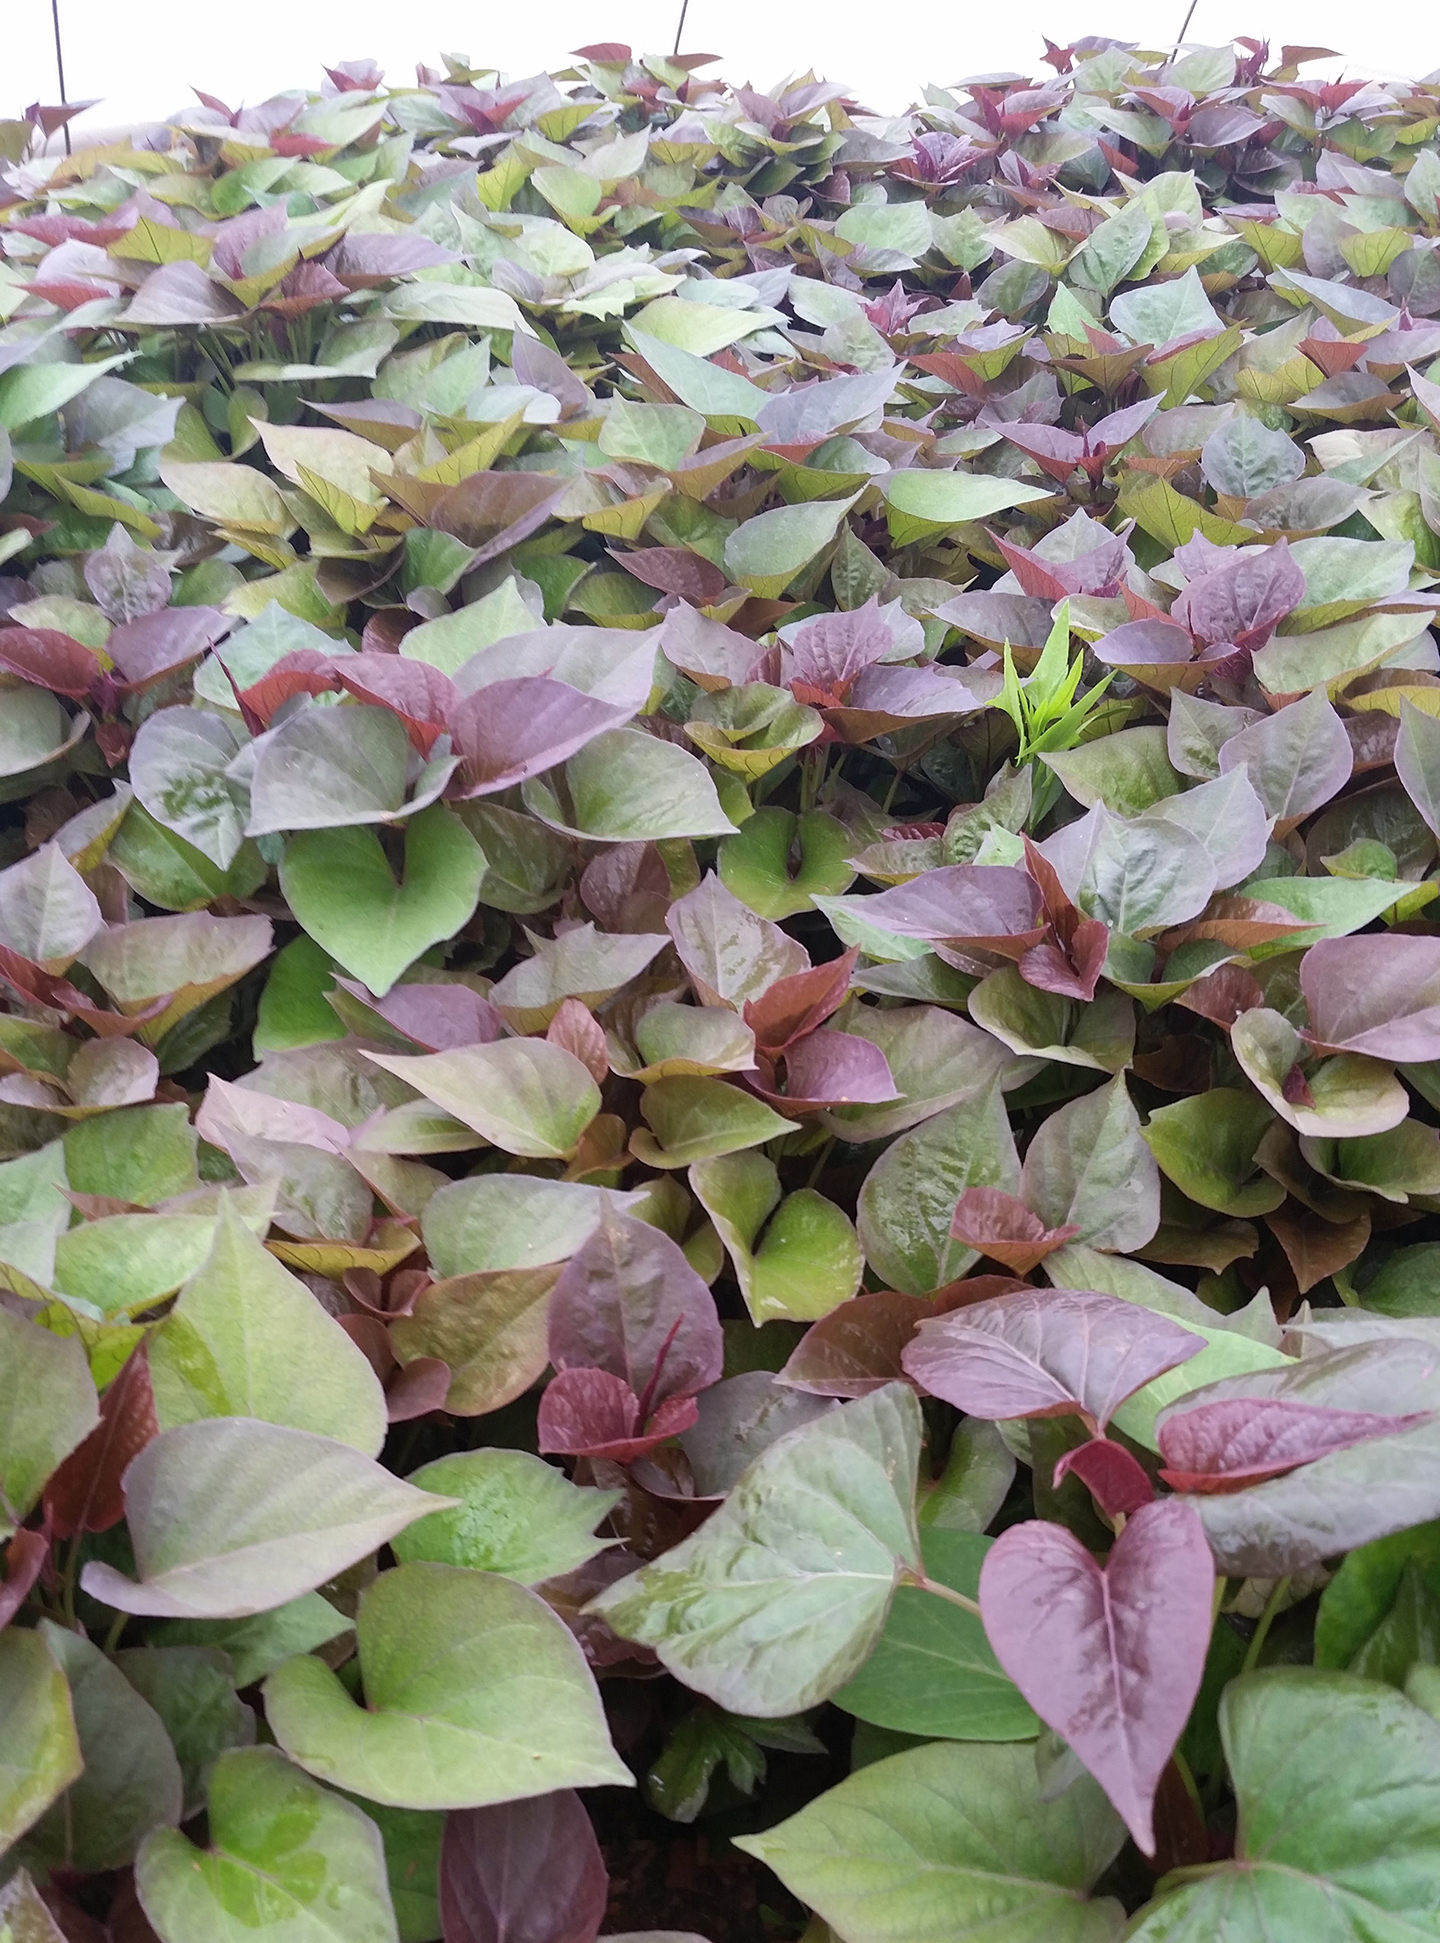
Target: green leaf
<point x="1309" y="1752"/>
<point x="933" y="1672"/>
<point x="780" y="1596"/>
<point x="412" y="1862"/>
<point x="142" y="1154"/>
<point x="475" y="1693"/>
<point x="340" y="887"/>
<point x="653" y="435"/>
<point x="40" y="1749"/>
<point x="697" y="1119"/>
<point x="951" y="1842"/>
<point x="1206" y="1146"/>
<point x="131" y="1782"/>
<point x="31" y="391"/>
<point x="777" y="863"/>
<point x="908" y="1200"/>
<point x="503" y="1221"/>
<point x="47" y="1406"/>
<point x="524" y="1095"/>
<point x="808" y="1260"/>
<point x="230" y="1517"/>
<point x="1363" y="1594"/>
<point x="1089" y="1165"/>
<point x="1349" y="1095"/>
<point x="920" y="504"/>
<point x="287" y="1860"/>
<point x="257" y="1646"/>
<point x="767" y="552"/>
<point x="247" y="1339"/>
<point x="1099" y="1035"/>
<point x="626" y="786"/>
<point x="192" y="1690"/>
<point x="167" y="871"/>
<point x="1128" y="772"/>
<point x="294" y="1009"/>
<point x="24" y="1918"/>
<point x="230" y="494"/>
<point x="517" y="1516"/>
<point x="330" y="768"/>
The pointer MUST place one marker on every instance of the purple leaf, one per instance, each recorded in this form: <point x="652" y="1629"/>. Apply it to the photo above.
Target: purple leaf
<point x="437" y="1017"/>
<point x="1001" y="1227"/>
<point x="362" y="261"/>
<point x="991" y="905"/>
<point x="1046" y="1353"/>
<point x="996" y="618"/>
<point x="1224" y="1446"/>
<point x="48" y="659"/>
<point x="1241" y="602"/>
<point x="1115" y="1480"/>
<point x="180" y="293"/>
<point x="511" y="730"/>
<point x="1111" y="1658"/>
<point x="522" y="1872"/>
<point x="1378" y="995"/>
<point x="493" y="511"/>
<point x="675" y="570"/>
<point x="590" y="1413"/>
<point x="629" y="1302"/>
<point x="712" y="654"/>
<point x="26" y="1554"/>
<point x="1058" y="451"/>
<point x="151" y="646"/>
<point x="1298" y="758"/>
<point x="833" y="1069"/>
<point x="827" y="653"/>
<point x="1108" y="434"/>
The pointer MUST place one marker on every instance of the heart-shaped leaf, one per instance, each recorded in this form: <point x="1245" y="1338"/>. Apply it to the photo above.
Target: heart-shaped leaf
<point x="475" y="1693"/>
<point x="1111" y="1658"/>
<point x="1043" y="1353"/>
<point x="340" y="886"/>
<point x="950" y="1840"/>
<point x="818" y="1582"/>
<point x="228" y="1517"/>
<point x="525" y="1095"/>
<point x="277" y="1841"/>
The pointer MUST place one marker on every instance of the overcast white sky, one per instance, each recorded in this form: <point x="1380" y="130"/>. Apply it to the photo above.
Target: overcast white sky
<point x="142" y="60"/>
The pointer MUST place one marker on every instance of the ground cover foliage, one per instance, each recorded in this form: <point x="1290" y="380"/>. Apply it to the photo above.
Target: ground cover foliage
<point x="720" y="1056"/>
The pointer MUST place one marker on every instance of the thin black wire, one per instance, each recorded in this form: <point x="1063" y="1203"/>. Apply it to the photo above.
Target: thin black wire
<point x="679" y="25"/>
<point x="1184" y="27"/>
<point x="60" y="65"/>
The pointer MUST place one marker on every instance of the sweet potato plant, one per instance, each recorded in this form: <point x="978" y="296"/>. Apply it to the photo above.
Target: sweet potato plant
<point x="720" y="1055"/>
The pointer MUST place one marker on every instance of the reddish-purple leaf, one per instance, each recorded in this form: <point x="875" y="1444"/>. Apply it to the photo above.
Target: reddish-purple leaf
<point x="415" y="1389"/>
<point x="992" y="906"/>
<point x="826" y="654"/>
<point x="536" y="364"/>
<point x="1374" y="995"/>
<point x="797" y="1005"/>
<point x="856" y="1348"/>
<point x="1046" y="1353"/>
<point x="831" y="1069"/>
<point x="49" y="659"/>
<point x="1002" y="1228"/>
<point x="511" y="730"/>
<point x="522" y="1872"/>
<point x="1110" y="1658"/>
<point x="627" y="887"/>
<point x="84" y="1494"/>
<point x="305" y="671"/>
<point x="24" y="1558"/>
<point x="1058" y="451"/>
<point x="1240" y="602"/>
<point x="675" y="570"/>
<point x="629" y="1302"/>
<point x="590" y="1413"/>
<point x="151" y="646"/>
<point x="420" y="695"/>
<point x="1115" y="1480"/>
<point x="1017" y="618"/>
<point x="493" y="511"/>
<point x="713" y="655"/>
<point x="1226" y="1445"/>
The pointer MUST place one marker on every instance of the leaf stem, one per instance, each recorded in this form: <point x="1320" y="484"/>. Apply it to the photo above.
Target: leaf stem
<point x="1262" y="1629"/>
<point x="943" y="1592"/>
